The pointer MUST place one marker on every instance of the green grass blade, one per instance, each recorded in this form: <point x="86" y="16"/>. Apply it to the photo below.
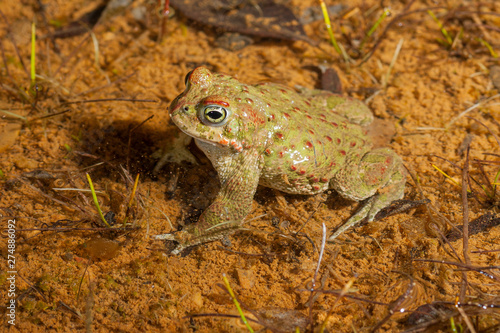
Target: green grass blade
<point x="488" y="46"/>
<point x="94" y="196"/>
<point x="329" y="27"/>
<point x="380" y="19"/>
<point x="236" y="303"/>
<point x="33" y="53"/>
<point x="449" y="40"/>
<point x="12" y="114"/>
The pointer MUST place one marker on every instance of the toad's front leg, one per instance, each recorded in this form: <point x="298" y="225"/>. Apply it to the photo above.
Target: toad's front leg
<point x="239" y="175"/>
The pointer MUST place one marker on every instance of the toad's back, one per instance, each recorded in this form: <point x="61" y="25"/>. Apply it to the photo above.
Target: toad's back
<point x="310" y="137"/>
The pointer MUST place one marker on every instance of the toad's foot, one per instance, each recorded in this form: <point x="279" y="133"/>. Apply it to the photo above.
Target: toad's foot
<point x="175" y="150"/>
<point x="192" y="236"/>
<point x="380" y="178"/>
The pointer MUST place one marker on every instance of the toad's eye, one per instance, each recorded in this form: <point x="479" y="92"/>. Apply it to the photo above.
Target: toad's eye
<point x="214" y="115"/>
<point x="187" y="78"/>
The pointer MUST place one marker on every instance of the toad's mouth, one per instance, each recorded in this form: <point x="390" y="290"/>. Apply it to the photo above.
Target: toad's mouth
<point x="196" y="138"/>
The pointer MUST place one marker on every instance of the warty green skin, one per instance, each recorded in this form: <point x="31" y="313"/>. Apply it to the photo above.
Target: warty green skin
<point x="297" y="142"/>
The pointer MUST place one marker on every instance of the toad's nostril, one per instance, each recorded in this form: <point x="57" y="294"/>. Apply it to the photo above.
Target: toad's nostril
<point x="185" y="108"/>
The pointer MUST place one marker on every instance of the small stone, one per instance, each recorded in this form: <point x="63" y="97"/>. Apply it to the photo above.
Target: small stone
<point x="101" y="249"/>
<point x="25" y="163"/>
<point x="495" y="76"/>
<point x="246" y="278"/>
<point x="197" y="299"/>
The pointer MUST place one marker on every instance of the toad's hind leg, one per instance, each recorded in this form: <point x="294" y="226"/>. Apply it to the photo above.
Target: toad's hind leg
<point x="379" y="177"/>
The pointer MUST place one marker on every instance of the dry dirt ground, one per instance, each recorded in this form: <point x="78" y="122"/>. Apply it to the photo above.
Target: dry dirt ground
<point x="75" y="274"/>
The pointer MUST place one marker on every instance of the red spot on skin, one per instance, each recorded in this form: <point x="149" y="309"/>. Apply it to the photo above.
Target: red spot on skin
<point x="283" y="91"/>
<point x="310" y="176"/>
<point x="315" y="180"/>
<point x="311" y="131"/>
<point x="215" y="100"/>
<point x="328" y="138"/>
<point x="332" y="164"/>
<point x="271" y="117"/>
<point x="353" y="144"/>
<point x="253" y="115"/>
<point x="293" y="167"/>
<point x="342" y="152"/>
<point x="308" y="116"/>
<point x="236" y="146"/>
<point x="268" y="105"/>
<point x="309" y="144"/>
<point x="302" y="171"/>
<point x="280" y="154"/>
<point x="249" y="100"/>
<point x="292" y="146"/>
<point x="334" y="124"/>
<point x="238" y="100"/>
<point x="338" y="140"/>
<point x="322" y="115"/>
<point x="286" y="115"/>
<point x="296" y="109"/>
<point x="268" y="151"/>
<point x="223" y="142"/>
<point x="279" y="135"/>
<point x="324" y="180"/>
<point x="316" y="187"/>
<point x="307" y="103"/>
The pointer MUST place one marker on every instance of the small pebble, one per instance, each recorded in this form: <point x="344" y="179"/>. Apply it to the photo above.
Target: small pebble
<point x="246" y="278"/>
<point x="495" y="76"/>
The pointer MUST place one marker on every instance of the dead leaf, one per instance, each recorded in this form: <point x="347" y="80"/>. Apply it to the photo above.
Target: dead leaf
<point x="256" y="18"/>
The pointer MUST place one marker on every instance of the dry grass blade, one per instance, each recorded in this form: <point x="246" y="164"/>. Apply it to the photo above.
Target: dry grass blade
<point x="487" y="128"/>
<point x="396" y="305"/>
<point x="313" y="281"/>
<point x="475" y="106"/>
<point x="481" y="270"/>
<point x="465" y="208"/>
<point x="340" y="295"/>
<point x="385" y="79"/>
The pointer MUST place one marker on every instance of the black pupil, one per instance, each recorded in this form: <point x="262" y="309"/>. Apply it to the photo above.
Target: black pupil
<point x="214" y="114"/>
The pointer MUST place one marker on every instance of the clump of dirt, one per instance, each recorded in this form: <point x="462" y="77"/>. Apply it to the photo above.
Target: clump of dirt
<point x="90" y="112"/>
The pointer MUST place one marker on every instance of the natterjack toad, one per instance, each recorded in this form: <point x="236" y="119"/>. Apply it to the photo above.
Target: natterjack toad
<point x="268" y="134"/>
